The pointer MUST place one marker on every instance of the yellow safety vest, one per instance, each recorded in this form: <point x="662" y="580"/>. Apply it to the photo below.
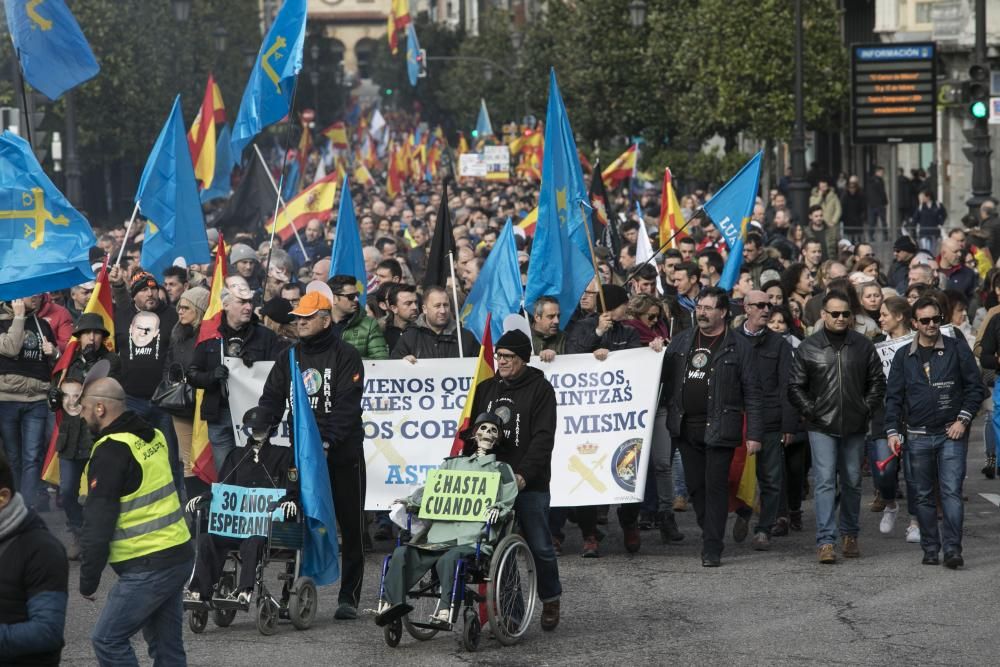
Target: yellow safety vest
<point x="150" y="519"/>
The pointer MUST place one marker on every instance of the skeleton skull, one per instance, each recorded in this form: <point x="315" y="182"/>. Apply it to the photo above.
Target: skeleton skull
<point x="486" y="436"/>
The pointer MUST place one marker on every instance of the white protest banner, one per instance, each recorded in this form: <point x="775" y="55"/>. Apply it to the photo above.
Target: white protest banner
<point x="887" y="349"/>
<point x="605" y="422"/>
<point x="471" y="165"/>
<point x="497" y="159"/>
<point x="241" y="512"/>
<point x="246" y="384"/>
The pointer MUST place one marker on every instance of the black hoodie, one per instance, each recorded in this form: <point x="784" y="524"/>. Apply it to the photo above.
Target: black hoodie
<point x="114" y="473"/>
<point x="527" y="407"/>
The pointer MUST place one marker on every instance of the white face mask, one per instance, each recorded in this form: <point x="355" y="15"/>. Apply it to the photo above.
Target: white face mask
<point x="486" y="436"/>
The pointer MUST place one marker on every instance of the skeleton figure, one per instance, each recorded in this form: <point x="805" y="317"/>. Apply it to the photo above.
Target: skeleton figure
<point x="486" y="438"/>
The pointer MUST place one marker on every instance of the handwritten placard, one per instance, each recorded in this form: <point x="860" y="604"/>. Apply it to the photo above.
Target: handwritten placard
<point x="459" y="495"/>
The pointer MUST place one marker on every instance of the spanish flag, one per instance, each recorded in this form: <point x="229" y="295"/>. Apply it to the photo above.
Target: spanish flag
<point x="316" y="201"/>
<point x="394" y="178"/>
<point x="623" y="167"/>
<point x="671" y="218"/>
<point x="100" y="303"/>
<point x="337" y="134"/>
<point x="528" y="222"/>
<point x="463" y="145"/>
<point x="485" y="369"/>
<point x="202" y="136"/>
<point x="399" y="18"/>
<point x="363" y="176"/>
<point x="202" y="462"/>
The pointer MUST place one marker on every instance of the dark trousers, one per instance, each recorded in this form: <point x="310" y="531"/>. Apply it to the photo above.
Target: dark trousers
<point x="348" y="481"/>
<point x="770" y="471"/>
<point x="212" y="551"/>
<point x="409" y="564"/>
<point x="706" y="471"/>
<point x="585" y="517"/>
<point x="793" y="482"/>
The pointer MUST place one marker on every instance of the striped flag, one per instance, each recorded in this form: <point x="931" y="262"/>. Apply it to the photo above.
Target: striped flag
<point x="622" y="168"/>
<point x="337" y="134"/>
<point x="528" y="222"/>
<point x="485" y="369"/>
<point x="671" y="218"/>
<point x="204" y="131"/>
<point x="316" y="201"/>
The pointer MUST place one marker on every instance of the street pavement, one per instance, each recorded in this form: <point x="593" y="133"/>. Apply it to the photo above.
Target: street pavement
<point x="661" y="606"/>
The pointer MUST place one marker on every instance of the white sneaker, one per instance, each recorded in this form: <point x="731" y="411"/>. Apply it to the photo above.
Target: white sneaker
<point x="243" y="597"/>
<point x="888" y="519"/>
<point x="913" y="534"/>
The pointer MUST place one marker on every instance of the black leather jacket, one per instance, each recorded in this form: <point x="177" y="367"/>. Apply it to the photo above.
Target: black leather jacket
<point x="836" y="391"/>
<point x="735" y="390"/>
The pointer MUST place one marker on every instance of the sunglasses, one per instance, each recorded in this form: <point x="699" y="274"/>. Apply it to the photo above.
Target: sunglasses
<point x="763" y="305"/>
<point x="837" y="314"/>
<point x="651" y="316"/>
<point x="937" y="319"/>
<point x="353" y="296"/>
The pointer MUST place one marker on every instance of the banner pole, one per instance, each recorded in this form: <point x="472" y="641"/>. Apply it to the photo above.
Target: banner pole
<point x="454" y="294"/>
<point x="128" y="228"/>
<point x="281" y="203"/>
<point x="593" y="257"/>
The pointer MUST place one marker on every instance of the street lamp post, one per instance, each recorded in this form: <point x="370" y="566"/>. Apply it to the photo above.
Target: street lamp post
<point x="982" y="174"/>
<point x="798" y="187"/>
<point x="637" y="13"/>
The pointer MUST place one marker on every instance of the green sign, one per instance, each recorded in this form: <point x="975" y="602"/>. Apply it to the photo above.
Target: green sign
<point x="459" y="495"/>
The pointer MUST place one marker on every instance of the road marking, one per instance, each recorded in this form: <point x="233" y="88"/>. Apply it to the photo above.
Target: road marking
<point x="991" y="497"/>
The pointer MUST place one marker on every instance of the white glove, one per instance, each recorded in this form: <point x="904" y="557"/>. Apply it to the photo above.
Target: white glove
<point x="493" y="515"/>
<point x="289" y="509"/>
<point x="193" y="504"/>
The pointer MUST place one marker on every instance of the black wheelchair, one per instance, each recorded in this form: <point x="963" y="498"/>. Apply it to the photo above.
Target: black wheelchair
<point x="503" y="582"/>
<point x="298" y="600"/>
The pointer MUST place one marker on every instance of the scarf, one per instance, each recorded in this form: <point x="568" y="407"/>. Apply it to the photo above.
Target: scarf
<point x="649" y="333"/>
<point x="12" y="516"/>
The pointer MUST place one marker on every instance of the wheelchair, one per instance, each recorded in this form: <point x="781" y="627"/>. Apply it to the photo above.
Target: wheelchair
<point x="297" y="602"/>
<point x="503" y="582"/>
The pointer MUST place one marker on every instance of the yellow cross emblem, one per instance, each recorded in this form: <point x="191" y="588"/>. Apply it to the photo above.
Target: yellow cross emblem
<point x="265" y="61"/>
<point x="32" y="10"/>
<point x="35" y="211"/>
<point x="561" y="207"/>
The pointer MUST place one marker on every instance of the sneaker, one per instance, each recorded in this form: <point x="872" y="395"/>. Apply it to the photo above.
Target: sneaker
<point x="680" y="504"/>
<point x="888" y="519"/>
<point x="633" y="539"/>
<point x="192" y="596"/>
<point x="557" y="546"/>
<point x="243" y="597"/>
<point x="913" y="534"/>
<point x="849" y="547"/>
<point x="550" y="615"/>
<point x="741" y="528"/>
<point x="780" y="528"/>
<point x="826" y="554"/>
<point x="669" y="532"/>
<point x="346" y="612"/>
<point x="590" y="548"/>
<point x="761" y="542"/>
<point x="878" y="503"/>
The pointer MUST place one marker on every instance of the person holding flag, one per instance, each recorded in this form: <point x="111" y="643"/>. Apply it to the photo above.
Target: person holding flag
<point x="333" y="377"/>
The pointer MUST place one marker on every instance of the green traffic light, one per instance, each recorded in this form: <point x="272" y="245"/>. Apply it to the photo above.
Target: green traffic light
<point x="475" y="133"/>
<point x="388" y="91"/>
<point x="979" y="109"/>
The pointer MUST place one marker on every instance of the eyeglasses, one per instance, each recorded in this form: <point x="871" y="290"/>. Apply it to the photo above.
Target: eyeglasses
<point x="763" y="305"/>
<point x="351" y="296"/>
<point x="652" y="317"/>
<point x="705" y="309"/>
<point x="837" y="314"/>
<point x="504" y="356"/>
<point x="937" y="319"/>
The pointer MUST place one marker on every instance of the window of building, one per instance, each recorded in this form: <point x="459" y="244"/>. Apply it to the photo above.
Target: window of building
<point x="922" y="12"/>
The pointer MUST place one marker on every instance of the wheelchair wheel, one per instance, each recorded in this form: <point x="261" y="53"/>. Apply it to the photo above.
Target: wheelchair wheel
<point x="510" y="593"/>
<point x="197" y="620"/>
<point x="472" y="631"/>
<point x="267" y="616"/>
<point x="423" y="607"/>
<point x="393" y="633"/>
<point x="302" y="603"/>
<point x="223" y="618"/>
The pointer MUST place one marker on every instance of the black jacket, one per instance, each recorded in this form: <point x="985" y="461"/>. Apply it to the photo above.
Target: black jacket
<point x="735" y="390"/>
<point x="270" y="470"/>
<point x="527" y="407"/>
<point x="258" y="344"/>
<point x="772" y="356"/>
<point x="82" y="363"/>
<point x="420" y="340"/>
<point x="337" y="380"/>
<point x="836" y="391"/>
<point x="114" y="473"/>
<point x="584" y="338"/>
<point x="954" y="389"/>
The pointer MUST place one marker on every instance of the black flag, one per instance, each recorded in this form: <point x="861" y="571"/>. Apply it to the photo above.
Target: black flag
<point x="251" y="205"/>
<point x="442" y="243"/>
<point x="605" y="221"/>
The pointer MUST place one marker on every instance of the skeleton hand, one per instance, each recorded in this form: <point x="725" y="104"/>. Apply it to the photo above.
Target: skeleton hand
<point x="192" y="505"/>
<point x="493" y="515"/>
<point x="289" y="508"/>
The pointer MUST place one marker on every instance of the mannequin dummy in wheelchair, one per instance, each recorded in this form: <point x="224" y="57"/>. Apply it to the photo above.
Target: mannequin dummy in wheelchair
<point x="444" y="543"/>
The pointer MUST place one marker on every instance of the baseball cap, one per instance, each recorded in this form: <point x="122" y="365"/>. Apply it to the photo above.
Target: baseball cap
<point x="310" y="304"/>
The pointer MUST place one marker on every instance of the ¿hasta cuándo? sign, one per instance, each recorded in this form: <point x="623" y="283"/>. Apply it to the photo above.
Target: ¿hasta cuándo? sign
<point x="459" y="495"/>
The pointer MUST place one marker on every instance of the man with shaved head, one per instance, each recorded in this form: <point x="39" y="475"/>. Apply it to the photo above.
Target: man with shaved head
<point x="133" y="520"/>
<point x="955" y="275"/>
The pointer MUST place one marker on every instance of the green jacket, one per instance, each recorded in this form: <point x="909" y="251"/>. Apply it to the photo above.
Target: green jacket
<point x="365" y="336"/>
<point x="556" y="343"/>
<point x="444" y="535"/>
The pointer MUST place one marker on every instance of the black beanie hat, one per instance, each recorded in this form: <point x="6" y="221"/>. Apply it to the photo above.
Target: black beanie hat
<point x="614" y="296"/>
<point x="515" y="341"/>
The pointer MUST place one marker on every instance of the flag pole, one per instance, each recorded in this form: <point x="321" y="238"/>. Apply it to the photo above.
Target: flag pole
<point x="281" y="202"/>
<point x="663" y="246"/>
<point x="454" y="294"/>
<point x="128" y="228"/>
<point x="593" y="257"/>
<point x="24" y="102"/>
<point x="281" y="180"/>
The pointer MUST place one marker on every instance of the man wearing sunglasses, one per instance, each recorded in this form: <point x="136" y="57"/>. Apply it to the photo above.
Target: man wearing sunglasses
<point x="352" y="322"/>
<point x="836" y="384"/>
<point x="935" y="387"/>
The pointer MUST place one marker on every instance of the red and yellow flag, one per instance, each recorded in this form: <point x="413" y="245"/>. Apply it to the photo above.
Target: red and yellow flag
<point x="463" y="145"/>
<point x="671" y="218"/>
<point x="485" y="369"/>
<point x="529" y="221"/>
<point x="399" y="18"/>
<point x="394" y="178"/>
<point x="623" y="167"/>
<point x="202" y="462"/>
<point x="337" y="134"/>
<point x="202" y="136"/>
<point x="363" y="176"/>
<point x="316" y="201"/>
<point x="99" y="303"/>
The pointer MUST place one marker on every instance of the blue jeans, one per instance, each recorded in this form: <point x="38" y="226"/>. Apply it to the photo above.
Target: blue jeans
<point x="220" y="434"/>
<point x="161" y="420"/>
<point x="935" y="458"/>
<point x="833" y="454"/>
<point x="70" y="472"/>
<point x="149" y="601"/>
<point x="22" y="428"/>
<point x="532" y="510"/>
<point x="680" y="484"/>
<point x="887" y="481"/>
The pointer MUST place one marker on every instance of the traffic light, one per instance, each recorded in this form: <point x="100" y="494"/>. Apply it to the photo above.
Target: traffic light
<point x="979" y="91"/>
<point x="388" y="91"/>
<point x="422" y="62"/>
<point x="475" y="134"/>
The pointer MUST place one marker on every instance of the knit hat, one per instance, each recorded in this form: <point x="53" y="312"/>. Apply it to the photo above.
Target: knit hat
<point x="906" y="244"/>
<point x="197" y="297"/>
<point x="614" y="296"/>
<point x="515" y="341"/>
<point x="242" y="251"/>
<point x="278" y="309"/>
<point x="141" y="281"/>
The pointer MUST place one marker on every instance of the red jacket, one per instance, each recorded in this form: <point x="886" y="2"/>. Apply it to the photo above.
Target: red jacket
<point x="59" y="319"/>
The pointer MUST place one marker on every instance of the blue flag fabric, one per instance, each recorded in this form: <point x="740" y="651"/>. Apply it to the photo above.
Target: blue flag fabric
<point x="290" y="184"/>
<point x="268" y="95"/>
<point x="412" y="49"/>
<point x="224" y="164"/>
<point x="346" y="257"/>
<point x="730" y="209"/>
<point x="168" y="198"/>
<point x="483" y="126"/>
<point x="54" y="54"/>
<point x="497" y="290"/>
<point x="44" y="241"/>
<point x="560" y="263"/>
<point x="320" y="553"/>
